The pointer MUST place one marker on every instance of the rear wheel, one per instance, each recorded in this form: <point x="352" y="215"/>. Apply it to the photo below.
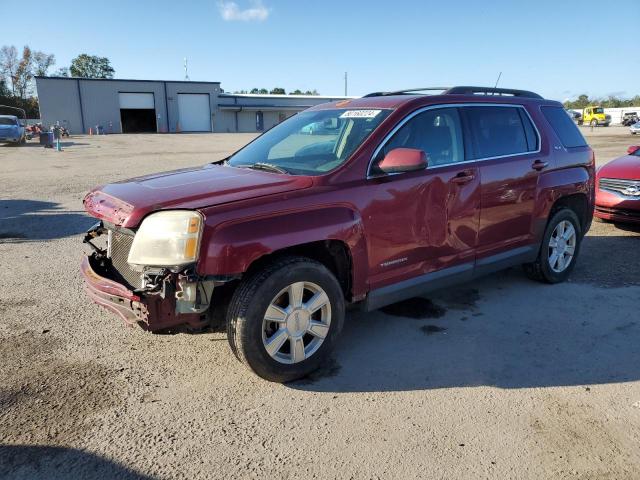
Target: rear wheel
<point x="283" y="321"/>
<point x="559" y="249"/>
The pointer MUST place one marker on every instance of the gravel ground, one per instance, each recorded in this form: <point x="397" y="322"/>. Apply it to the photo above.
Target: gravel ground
<point x="499" y="378"/>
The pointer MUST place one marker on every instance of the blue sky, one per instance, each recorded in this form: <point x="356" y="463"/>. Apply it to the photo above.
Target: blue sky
<point x="559" y="48"/>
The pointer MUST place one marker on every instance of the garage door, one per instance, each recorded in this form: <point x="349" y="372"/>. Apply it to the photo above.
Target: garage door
<point x="137" y="113"/>
<point x="136" y="100"/>
<point x="194" y="112"/>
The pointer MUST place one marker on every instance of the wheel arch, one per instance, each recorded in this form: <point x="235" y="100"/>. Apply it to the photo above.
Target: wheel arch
<point x="566" y="188"/>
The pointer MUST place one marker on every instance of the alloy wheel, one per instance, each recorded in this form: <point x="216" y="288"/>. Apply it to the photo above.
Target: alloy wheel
<point x="562" y="246"/>
<point x="296" y="322"/>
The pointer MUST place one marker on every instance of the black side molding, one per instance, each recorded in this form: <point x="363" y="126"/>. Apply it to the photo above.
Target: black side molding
<point x="447" y="277"/>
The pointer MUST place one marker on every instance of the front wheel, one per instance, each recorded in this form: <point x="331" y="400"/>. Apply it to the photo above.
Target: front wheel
<point x="559" y="249"/>
<point x="594" y="123"/>
<point x="283" y="321"/>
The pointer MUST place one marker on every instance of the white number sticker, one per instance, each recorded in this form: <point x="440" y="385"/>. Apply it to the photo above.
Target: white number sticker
<point x="360" y="113"/>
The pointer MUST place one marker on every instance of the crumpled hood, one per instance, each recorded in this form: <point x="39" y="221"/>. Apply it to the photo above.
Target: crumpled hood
<point x="126" y="203"/>
<point x="627" y="167"/>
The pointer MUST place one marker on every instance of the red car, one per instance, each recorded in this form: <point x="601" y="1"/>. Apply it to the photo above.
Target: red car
<point x="618" y="191"/>
<point x="402" y="193"/>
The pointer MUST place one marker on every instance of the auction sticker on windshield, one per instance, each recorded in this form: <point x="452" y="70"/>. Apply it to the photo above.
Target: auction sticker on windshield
<point x="360" y="114"/>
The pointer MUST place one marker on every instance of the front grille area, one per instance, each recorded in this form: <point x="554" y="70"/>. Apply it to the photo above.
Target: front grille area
<point x="620" y="186"/>
<point x="119" y="249"/>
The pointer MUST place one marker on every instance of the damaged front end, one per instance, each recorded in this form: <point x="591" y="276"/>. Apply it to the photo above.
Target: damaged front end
<point x="156" y="298"/>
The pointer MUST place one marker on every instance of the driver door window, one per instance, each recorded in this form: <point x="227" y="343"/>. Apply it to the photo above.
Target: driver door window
<point x="438" y="133"/>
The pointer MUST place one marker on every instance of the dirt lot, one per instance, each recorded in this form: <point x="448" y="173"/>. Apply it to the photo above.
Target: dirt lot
<point x="500" y="378"/>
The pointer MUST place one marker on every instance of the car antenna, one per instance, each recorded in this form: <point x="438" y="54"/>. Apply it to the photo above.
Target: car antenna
<point x="496" y="85"/>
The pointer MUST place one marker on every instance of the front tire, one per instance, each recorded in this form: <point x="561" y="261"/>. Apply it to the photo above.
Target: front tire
<point x="559" y="249"/>
<point x="594" y="123"/>
<point x="283" y="321"/>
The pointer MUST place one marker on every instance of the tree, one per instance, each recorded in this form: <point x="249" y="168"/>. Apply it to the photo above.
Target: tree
<point x="297" y="91"/>
<point x="91" y="66"/>
<point x="24" y="73"/>
<point x="42" y="62"/>
<point x="4" y="90"/>
<point x="254" y="91"/>
<point x="263" y="91"/>
<point x="9" y="64"/>
<point x="278" y="91"/>
<point x="311" y="92"/>
<point x="61" y="72"/>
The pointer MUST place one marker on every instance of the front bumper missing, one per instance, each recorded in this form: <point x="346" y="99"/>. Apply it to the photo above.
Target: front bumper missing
<point x="152" y="312"/>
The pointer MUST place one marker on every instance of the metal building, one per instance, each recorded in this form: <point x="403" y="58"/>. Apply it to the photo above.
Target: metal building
<point x="141" y="106"/>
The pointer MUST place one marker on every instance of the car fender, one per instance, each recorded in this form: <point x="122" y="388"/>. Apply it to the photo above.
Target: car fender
<point x="231" y="247"/>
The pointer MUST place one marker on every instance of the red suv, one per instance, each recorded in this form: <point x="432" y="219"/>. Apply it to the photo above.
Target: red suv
<point x="367" y="201"/>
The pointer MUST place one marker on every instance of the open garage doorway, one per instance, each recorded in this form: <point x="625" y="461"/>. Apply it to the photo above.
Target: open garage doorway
<point x="138" y="113"/>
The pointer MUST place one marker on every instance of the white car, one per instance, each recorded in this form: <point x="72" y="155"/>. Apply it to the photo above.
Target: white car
<point x="635" y="128"/>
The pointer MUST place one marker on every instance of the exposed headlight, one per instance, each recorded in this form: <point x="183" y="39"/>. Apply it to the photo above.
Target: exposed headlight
<point x="167" y="239"/>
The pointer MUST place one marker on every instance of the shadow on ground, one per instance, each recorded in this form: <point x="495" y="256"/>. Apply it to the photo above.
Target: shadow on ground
<point x="502" y="330"/>
<point x="31" y="461"/>
<point x="610" y="260"/>
<point x="28" y="220"/>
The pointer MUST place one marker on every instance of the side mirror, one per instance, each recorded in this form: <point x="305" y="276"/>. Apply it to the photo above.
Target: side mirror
<point x="633" y="149"/>
<point x="403" y="160"/>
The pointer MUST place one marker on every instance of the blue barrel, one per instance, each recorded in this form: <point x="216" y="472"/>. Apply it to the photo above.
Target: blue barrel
<point x="46" y="139"/>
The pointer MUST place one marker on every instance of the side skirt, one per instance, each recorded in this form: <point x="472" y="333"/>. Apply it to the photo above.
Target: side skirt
<point x="446" y="277"/>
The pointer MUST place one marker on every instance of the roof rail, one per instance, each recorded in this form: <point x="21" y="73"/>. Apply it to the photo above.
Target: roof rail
<point x="406" y="91"/>
<point x="491" y="91"/>
<point x="461" y="91"/>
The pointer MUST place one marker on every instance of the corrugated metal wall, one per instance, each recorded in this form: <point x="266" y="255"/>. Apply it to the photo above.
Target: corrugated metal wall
<point x="83" y="104"/>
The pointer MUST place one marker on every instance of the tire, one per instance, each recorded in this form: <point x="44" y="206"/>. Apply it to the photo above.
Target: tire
<point x="249" y="332"/>
<point x="580" y="122"/>
<point x="542" y="270"/>
<point x="594" y="123"/>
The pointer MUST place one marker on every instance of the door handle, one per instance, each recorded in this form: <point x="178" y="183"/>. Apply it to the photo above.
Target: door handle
<point x="539" y="165"/>
<point x="463" y="177"/>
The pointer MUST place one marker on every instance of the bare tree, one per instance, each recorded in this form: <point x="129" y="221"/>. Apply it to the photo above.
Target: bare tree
<point x="9" y="64"/>
<point x="42" y="62"/>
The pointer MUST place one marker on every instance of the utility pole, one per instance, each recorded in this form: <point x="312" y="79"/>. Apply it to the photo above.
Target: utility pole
<point x="186" y="75"/>
<point x="345" y="84"/>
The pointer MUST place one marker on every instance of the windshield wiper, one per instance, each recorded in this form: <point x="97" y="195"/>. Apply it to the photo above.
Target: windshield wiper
<point x="267" y="166"/>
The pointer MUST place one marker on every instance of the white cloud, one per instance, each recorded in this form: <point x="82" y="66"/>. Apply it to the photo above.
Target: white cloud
<point x="230" y="11"/>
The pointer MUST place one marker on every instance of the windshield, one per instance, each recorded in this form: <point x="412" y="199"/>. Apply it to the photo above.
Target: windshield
<point x="598" y="110"/>
<point x="310" y="143"/>
<point x="7" y="121"/>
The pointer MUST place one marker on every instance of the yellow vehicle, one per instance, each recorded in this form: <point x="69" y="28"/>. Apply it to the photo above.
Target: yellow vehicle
<point x="594" y="116"/>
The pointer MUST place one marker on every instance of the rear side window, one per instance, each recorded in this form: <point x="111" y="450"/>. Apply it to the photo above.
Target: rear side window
<point x="499" y="131"/>
<point x="564" y="127"/>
